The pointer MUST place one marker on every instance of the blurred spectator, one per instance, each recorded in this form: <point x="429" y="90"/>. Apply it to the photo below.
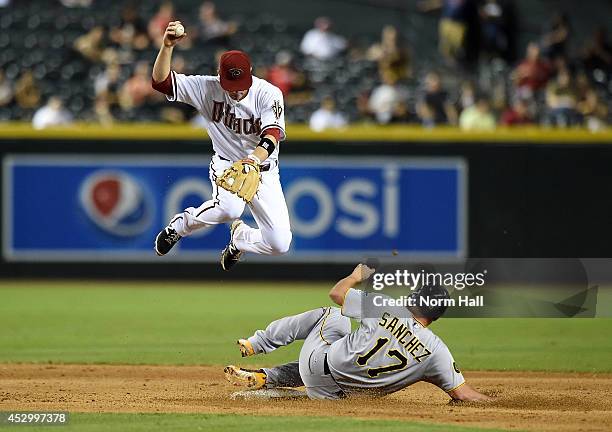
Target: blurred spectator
<point x="52" y="114"/>
<point x="498" y="96"/>
<point x="387" y="103"/>
<point x="320" y="43"/>
<point x="159" y="22"/>
<point x="582" y="85"/>
<point x="556" y="36"/>
<point x="598" y="52"/>
<point x="102" y="111"/>
<point x="456" y="28"/>
<point x="532" y="73"/>
<point x="108" y="84"/>
<point x="27" y="93"/>
<point x="391" y="54"/>
<point x="497" y="29"/>
<point x="6" y="90"/>
<point x="137" y="89"/>
<point x="478" y="117"/>
<point x="561" y="100"/>
<point x="131" y="33"/>
<point x="327" y="117"/>
<point x="76" y="3"/>
<point x="594" y="111"/>
<point x="283" y="75"/>
<point x="291" y="81"/>
<point x="518" y="114"/>
<point x="434" y="107"/>
<point x="92" y="45"/>
<point x="467" y="95"/>
<point x="211" y="28"/>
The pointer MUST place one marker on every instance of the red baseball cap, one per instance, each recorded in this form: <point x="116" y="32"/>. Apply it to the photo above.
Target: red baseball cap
<point x="235" y="71"/>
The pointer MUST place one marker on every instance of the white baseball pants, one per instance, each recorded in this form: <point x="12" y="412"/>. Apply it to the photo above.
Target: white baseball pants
<point x="273" y="235"/>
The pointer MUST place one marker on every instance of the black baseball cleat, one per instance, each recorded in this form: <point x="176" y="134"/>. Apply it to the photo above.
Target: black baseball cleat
<point x="165" y="240"/>
<point x="231" y="255"/>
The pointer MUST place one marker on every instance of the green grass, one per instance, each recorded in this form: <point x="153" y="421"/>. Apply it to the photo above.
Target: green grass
<point x="222" y="423"/>
<point x="197" y="323"/>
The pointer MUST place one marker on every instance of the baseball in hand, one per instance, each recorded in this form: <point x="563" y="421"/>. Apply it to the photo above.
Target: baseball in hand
<point x="179" y="30"/>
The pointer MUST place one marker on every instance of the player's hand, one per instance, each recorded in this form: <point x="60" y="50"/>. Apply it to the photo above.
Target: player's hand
<point x="362" y="272"/>
<point x="170" y="37"/>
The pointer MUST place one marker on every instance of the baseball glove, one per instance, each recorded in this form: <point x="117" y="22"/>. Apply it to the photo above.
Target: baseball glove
<point x="242" y="179"/>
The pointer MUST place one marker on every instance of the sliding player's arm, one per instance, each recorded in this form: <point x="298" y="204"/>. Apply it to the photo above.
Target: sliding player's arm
<point x="465" y="393"/>
<point x="443" y="372"/>
<point x="359" y="274"/>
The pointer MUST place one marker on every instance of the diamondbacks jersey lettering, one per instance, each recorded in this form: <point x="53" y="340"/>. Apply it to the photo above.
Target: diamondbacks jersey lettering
<point x="222" y="112"/>
<point x="388" y="353"/>
<point x="234" y="127"/>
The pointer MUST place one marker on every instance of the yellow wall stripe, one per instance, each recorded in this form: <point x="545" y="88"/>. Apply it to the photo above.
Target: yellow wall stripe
<point x="300" y="132"/>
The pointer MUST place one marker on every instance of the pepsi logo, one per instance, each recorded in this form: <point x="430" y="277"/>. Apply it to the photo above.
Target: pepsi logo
<point x="116" y="202"/>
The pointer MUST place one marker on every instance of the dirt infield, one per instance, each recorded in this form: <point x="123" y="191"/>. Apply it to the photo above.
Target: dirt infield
<point x="530" y="401"/>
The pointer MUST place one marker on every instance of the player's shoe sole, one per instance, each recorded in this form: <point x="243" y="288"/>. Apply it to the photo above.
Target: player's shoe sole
<point x="253" y="379"/>
<point x="246" y="349"/>
<point x="165" y="240"/>
<point x="231" y="255"/>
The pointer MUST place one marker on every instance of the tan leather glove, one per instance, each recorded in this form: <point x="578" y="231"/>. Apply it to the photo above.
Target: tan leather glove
<point x="242" y="179"/>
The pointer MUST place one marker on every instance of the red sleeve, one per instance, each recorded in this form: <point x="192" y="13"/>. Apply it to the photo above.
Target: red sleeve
<point x="164" y="86"/>
<point x="275" y="132"/>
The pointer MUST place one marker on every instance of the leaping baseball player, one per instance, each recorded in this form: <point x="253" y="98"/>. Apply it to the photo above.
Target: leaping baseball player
<point x="244" y="117"/>
<point x="385" y="354"/>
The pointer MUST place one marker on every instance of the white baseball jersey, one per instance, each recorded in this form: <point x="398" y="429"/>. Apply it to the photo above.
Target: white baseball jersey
<point x="235" y="127"/>
<point x="388" y="353"/>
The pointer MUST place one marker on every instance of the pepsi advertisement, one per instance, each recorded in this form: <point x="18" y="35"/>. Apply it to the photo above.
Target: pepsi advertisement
<point x="110" y="208"/>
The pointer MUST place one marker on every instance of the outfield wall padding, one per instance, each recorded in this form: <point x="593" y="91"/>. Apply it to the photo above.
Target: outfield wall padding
<point x="525" y="199"/>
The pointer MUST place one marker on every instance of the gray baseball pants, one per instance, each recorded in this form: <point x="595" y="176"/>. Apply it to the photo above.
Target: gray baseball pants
<point x="319" y="328"/>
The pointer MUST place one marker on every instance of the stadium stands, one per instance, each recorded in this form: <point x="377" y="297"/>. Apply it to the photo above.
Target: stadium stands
<point x="41" y="37"/>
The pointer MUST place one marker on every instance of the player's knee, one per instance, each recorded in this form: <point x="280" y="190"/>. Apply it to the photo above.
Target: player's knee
<point x="232" y="211"/>
<point x="279" y="243"/>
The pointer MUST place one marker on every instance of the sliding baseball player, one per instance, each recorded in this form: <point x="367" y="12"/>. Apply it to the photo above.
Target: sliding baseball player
<point x="385" y="354"/>
<point x="244" y="117"/>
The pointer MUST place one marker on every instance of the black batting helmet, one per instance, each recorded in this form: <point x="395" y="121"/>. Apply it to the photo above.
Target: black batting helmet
<point x="425" y="308"/>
